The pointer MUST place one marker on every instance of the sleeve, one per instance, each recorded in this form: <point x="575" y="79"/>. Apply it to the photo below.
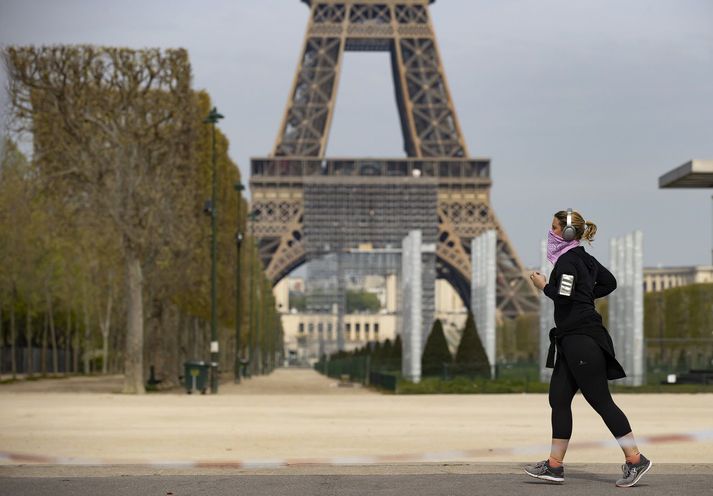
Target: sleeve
<point x="562" y="282"/>
<point x="605" y="283"/>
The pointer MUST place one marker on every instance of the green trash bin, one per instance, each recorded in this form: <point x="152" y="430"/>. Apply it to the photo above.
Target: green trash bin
<point x="196" y="376"/>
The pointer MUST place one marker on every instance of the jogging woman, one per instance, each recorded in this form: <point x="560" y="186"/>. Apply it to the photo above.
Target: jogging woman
<point x="584" y="350"/>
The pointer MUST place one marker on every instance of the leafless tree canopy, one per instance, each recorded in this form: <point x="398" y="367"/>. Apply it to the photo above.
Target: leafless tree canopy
<point x="122" y="157"/>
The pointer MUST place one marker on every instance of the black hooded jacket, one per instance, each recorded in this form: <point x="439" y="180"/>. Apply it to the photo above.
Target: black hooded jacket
<point x="577" y="279"/>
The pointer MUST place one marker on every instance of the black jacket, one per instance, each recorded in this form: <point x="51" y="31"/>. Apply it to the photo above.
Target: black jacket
<point x="577" y="279"/>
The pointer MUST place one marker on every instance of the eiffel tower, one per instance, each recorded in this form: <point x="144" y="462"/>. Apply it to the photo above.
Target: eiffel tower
<point x="296" y="191"/>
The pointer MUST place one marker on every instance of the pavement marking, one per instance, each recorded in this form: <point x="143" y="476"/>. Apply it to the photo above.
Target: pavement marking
<point x="14" y="458"/>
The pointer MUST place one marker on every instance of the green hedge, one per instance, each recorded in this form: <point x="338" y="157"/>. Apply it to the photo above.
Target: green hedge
<point x="464" y="385"/>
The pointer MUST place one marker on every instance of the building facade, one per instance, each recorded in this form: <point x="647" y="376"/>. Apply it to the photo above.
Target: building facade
<point x="309" y="335"/>
<point x="661" y="278"/>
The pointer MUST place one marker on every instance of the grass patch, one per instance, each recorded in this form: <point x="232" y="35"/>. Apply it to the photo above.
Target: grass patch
<point x="39" y="377"/>
<point x="468" y="385"/>
<point x="663" y="388"/>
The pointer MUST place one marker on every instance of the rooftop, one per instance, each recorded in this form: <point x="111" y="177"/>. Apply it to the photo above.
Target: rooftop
<point x="692" y="174"/>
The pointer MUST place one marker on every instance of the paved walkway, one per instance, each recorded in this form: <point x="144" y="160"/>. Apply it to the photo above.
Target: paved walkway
<point x="65" y="384"/>
<point x="423" y="480"/>
<point x="297" y="413"/>
<point x="287" y="381"/>
<point x="293" y="381"/>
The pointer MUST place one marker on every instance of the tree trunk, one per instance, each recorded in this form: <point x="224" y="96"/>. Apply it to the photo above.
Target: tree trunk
<point x="43" y="349"/>
<point x="85" y="311"/>
<point x="75" y="346"/>
<point x="161" y="341"/>
<point x="29" y="365"/>
<point x="194" y="338"/>
<point x="53" y="335"/>
<point x="67" y="341"/>
<point x="105" y="325"/>
<point x="181" y="354"/>
<point x="105" y="351"/>
<point x="173" y="369"/>
<point x="133" y="361"/>
<point x="2" y="345"/>
<point x="13" y="340"/>
<point x="152" y="333"/>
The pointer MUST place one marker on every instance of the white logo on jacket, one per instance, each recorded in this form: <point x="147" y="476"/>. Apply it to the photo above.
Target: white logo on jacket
<point x="566" y="285"/>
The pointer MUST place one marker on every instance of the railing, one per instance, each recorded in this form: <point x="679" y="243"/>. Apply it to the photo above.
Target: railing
<point x="383" y="381"/>
<point x="368" y="167"/>
<point x="359" y="369"/>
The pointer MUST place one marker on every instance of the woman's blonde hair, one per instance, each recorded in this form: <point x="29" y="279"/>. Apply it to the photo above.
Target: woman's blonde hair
<point x="583" y="229"/>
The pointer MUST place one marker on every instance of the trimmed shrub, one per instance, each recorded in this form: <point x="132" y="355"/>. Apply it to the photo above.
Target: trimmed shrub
<point x="436" y="352"/>
<point x="470" y="356"/>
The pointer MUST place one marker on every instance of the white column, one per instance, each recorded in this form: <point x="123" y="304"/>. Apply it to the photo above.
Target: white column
<point x="626" y="306"/>
<point x="483" y="261"/>
<point x="628" y="317"/>
<point x="613" y="297"/>
<point x="639" y="351"/>
<point x="411" y="316"/>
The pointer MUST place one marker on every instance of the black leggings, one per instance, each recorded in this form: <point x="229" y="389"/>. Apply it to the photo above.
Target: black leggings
<point x="581" y="364"/>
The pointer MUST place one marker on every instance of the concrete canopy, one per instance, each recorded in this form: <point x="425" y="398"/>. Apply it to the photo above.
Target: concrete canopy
<point x="692" y="174"/>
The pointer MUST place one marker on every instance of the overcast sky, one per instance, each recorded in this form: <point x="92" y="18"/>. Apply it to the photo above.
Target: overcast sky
<point x="577" y="103"/>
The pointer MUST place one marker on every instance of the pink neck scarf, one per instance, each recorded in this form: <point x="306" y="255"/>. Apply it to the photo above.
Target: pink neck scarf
<point x="556" y="246"/>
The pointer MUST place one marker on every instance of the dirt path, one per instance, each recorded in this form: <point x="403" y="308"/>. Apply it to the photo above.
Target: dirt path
<point x="297" y="413"/>
<point x="293" y="381"/>
<point x="68" y="384"/>
<point x="281" y="381"/>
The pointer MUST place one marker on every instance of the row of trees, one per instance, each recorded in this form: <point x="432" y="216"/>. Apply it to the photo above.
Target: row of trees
<point x="356" y="301"/>
<point x="678" y="330"/>
<point x="470" y="357"/>
<point x="678" y="327"/>
<point x="383" y="356"/>
<point x="518" y="339"/>
<point x="104" y="240"/>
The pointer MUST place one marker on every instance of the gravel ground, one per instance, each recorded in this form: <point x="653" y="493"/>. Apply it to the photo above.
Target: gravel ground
<point x="297" y="413"/>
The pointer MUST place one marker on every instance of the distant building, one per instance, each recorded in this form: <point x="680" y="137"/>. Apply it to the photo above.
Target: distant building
<point x="451" y="311"/>
<point x="660" y="278"/>
<point x="308" y="334"/>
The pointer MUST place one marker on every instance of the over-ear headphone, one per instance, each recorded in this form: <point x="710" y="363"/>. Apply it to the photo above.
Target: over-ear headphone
<point x="569" y="232"/>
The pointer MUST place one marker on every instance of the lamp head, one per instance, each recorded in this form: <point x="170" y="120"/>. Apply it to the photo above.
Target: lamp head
<point x="213" y="116"/>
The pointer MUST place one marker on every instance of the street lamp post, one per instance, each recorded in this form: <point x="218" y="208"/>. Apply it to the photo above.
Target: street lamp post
<point x="257" y="338"/>
<point x="238" y="301"/>
<point x="251" y="310"/>
<point x="212" y="118"/>
<point x="251" y="297"/>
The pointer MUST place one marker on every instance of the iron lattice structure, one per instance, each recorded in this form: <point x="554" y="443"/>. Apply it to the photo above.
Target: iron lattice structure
<point x="286" y="186"/>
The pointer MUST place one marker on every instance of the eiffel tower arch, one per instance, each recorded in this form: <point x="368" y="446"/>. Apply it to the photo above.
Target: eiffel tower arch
<point x="296" y="189"/>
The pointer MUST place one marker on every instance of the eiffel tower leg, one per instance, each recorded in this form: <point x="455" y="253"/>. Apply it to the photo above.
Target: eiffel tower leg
<point x="460" y="220"/>
<point x="428" y="118"/>
<point x="517" y="295"/>
<point x="306" y="122"/>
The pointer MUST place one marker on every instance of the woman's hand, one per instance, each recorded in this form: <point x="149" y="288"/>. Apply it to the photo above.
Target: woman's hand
<point x="538" y="280"/>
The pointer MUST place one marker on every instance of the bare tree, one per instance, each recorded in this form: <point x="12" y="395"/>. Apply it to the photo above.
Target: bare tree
<point x="114" y="126"/>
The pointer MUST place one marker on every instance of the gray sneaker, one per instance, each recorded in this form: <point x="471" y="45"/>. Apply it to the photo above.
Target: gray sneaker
<point x="632" y="473"/>
<point x="542" y="470"/>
